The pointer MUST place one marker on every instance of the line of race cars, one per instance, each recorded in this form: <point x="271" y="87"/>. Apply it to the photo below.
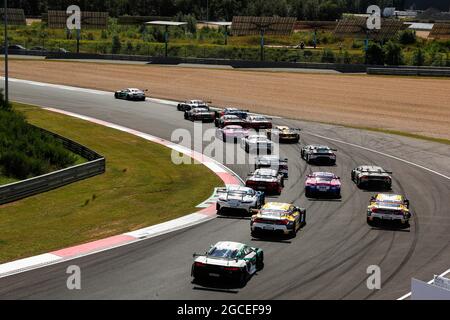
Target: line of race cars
<point x="255" y="133"/>
<point x="237" y="261"/>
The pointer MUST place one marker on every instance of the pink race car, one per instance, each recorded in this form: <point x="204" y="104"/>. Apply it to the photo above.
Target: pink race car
<point x="232" y="133"/>
<point x="320" y="184"/>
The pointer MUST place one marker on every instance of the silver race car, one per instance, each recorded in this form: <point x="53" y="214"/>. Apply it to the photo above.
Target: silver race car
<point x="238" y="198"/>
<point x="130" y="94"/>
<point x="257" y="143"/>
<point x="372" y="176"/>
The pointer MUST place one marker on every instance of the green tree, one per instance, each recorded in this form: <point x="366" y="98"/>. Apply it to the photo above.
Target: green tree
<point x="407" y="37"/>
<point x="375" y="54"/>
<point x="116" y="45"/>
<point x="418" y="57"/>
<point x="328" y="56"/>
<point x="393" y="54"/>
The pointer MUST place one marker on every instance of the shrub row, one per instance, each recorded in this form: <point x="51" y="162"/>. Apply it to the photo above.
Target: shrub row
<point x="25" y="151"/>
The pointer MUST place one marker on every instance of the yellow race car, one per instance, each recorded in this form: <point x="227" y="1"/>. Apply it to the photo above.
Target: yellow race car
<point x="284" y="134"/>
<point x="388" y="208"/>
<point x="277" y="217"/>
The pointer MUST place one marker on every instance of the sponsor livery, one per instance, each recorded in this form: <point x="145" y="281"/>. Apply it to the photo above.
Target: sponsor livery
<point x="268" y="180"/>
<point x="284" y="134"/>
<point x="130" y="94"/>
<point x="318" y="154"/>
<point x="388" y="208"/>
<point x="229" y="261"/>
<point x="320" y="184"/>
<point x="372" y="176"/>
<point x="238" y="198"/>
<point x="190" y="104"/>
<point x="277" y="217"/>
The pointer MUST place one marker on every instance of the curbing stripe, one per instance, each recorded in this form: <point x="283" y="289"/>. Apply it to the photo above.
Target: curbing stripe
<point x="208" y="213"/>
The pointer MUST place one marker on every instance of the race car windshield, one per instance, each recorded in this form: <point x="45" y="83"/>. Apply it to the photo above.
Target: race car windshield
<point x="273" y="212"/>
<point x="388" y="204"/>
<point x="265" y="176"/>
<point x="240" y="192"/>
<point x="323" y="179"/>
<point x="223" y="253"/>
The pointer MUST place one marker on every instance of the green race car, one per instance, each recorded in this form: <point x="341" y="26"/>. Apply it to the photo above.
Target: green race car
<point x="228" y="260"/>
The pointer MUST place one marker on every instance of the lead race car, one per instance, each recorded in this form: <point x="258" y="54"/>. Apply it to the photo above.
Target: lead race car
<point x="318" y="154"/>
<point x="372" y="176"/>
<point x="238" y="198"/>
<point x="388" y="208"/>
<point x="268" y="180"/>
<point x="130" y="94"/>
<point x="319" y="184"/>
<point x="277" y="217"/>
<point x="284" y="134"/>
<point x="229" y="261"/>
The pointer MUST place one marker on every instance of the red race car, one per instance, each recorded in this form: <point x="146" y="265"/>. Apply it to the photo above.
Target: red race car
<point x="321" y="184"/>
<point x="268" y="180"/>
<point x="258" y="122"/>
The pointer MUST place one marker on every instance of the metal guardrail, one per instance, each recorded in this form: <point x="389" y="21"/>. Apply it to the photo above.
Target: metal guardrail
<point x="25" y="188"/>
<point x="411" y="71"/>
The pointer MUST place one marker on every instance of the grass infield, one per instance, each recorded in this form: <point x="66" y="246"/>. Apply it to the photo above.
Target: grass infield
<point x="141" y="187"/>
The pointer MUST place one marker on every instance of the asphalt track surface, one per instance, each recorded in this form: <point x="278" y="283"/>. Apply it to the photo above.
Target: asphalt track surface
<point x="327" y="260"/>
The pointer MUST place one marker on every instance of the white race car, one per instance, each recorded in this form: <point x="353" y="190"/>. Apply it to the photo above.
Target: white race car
<point x="257" y="143"/>
<point x="238" y="198"/>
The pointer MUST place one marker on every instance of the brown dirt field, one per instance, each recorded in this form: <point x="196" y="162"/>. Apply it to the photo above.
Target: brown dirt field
<point x="415" y="105"/>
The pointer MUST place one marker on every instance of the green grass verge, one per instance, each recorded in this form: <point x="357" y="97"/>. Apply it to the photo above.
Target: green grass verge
<point x="141" y="187"/>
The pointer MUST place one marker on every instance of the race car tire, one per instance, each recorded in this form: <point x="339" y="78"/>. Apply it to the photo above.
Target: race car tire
<point x="116" y="95"/>
<point x="308" y="193"/>
<point x="243" y="277"/>
<point x="185" y="116"/>
<point x="303" y="220"/>
<point x="260" y="262"/>
<point x="371" y="223"/>
<point x="294" y="231"/>
<point x="280" y="189"/>
<point x="247" y="149"/>
<point x="128" y="97"/>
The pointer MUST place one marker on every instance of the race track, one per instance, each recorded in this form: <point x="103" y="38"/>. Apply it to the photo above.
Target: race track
<point x="328" y="258"/>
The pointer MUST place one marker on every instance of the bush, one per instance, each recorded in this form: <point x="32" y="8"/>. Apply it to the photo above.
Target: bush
<point x="26" y="151"/>
<point x="406" y="37"/>
<point x="3" y="105"/>
<point x="116" y="45"/>
<point x="375" y="54"/>
<point x="418" y="58"/>
<point x="393" y="54"/>
<point x="328" y="56"/>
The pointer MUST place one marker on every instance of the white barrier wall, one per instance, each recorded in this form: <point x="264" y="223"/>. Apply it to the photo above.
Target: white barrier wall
<point x="428" y="291"/>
